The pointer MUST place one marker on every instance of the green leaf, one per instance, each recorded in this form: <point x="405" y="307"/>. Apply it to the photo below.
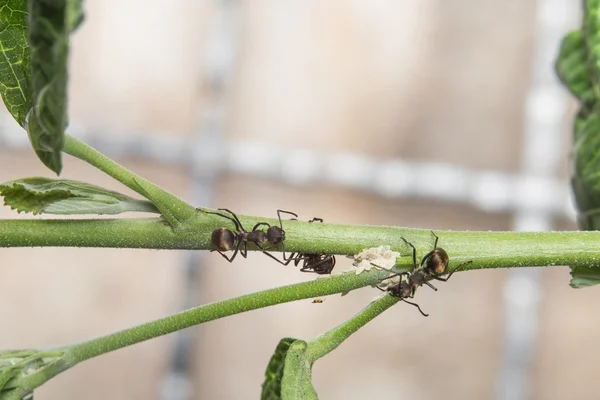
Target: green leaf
<point x="50" y="23"/>
<point x="61" y="196"/>
<point x="14" y="59"/>
<point x="271" y="388"/>
<point x="578" y="67"/>
<point x="295" y="383"/>
<point x="34" y="47"/>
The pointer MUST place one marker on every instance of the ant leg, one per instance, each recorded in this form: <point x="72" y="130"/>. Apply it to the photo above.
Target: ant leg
<point x="430" y="285"/>
<point x="432" y="251"/>
<point x="295" y="257"/>
<point x="244" y="249"/>
<point x="306" y="267"/>
<point x="283" y="251"/>
<point x="275" y="258"/>
<point x="230" y="259"/>
<point x="439" y="278"/>
<point x="316" y="220"/>
<point x="259" y="224"/>
<point x="436" y="239"/>
<point x="426" y="256"/>
<point x="281" y="226"/>
<point x="286" y="212"/>
<point x="269" y="254"/>
<point x="414" y="253"/>
<point x="236" y="221"/>
<point x="416" y="305"/>
<point x="234" y="218"/>
<point x="400" y="274"/>
<point x="221" y="215"/>
<point x="291" y="258"/>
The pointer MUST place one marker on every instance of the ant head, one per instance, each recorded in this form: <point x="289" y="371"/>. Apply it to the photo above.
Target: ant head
<point x="275" y="235"/>
<point x="437" y="262"/>
<point x="223" y="239"/>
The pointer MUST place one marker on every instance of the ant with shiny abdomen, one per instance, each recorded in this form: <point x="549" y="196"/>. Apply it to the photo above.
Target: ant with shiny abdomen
<point x="318" y="263"/>
<point x="224" y="239"/>
<point x="433" y="265"/>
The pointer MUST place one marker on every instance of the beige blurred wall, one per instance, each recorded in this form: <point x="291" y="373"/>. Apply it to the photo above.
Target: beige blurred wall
<point x="423" y="80"/>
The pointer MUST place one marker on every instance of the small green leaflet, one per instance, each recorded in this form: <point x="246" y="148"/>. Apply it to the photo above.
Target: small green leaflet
<point x="61" y="196"/>
<point x="271" y="388"/>
<point x="296" y="381"/>
<point x="288" y="373"/>
<point x="582" y="277"/>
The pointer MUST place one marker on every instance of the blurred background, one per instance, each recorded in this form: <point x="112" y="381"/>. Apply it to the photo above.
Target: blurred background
<point x="422" y="113"/>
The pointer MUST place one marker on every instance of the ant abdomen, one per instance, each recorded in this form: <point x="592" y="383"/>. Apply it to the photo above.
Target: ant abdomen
<point x="223" y="239"/>
<point x="437" y="261"/>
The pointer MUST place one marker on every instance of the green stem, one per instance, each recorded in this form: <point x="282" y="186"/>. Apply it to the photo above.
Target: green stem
<point x="331" y="339"/>
<point x="150" y="233"/>
<point x="209" y="312"/>
<point x="484" y="249"/>
<point x="84" y="152"/>
<point x="77" y="353"/>
<point x="173" y="208"/>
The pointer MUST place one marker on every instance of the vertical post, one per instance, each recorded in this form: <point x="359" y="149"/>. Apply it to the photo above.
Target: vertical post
<point x="545" y="109"/>
<point x="204" y="166"/>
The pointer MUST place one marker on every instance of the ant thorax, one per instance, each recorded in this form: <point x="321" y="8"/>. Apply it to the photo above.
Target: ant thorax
<point x="418" y="278"/>
<point x="257" y="237"/>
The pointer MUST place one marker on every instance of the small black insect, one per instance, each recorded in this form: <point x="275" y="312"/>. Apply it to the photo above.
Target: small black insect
<point x="318" y="263"/>
<point x="224" y="239"/>
<point x="433" y="265"/>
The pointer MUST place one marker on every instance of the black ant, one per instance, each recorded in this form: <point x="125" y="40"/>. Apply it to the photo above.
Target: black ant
<point x="433" y="265"/>
<point x="321" y="264"/>
<point x="224" y="239"/>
